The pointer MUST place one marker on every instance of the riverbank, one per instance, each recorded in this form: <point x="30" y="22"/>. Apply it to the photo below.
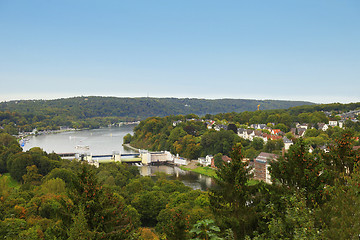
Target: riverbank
<point x="131" y="147"/>
<point x="207" y="171"/>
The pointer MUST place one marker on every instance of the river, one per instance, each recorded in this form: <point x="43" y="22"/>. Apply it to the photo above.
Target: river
<point x="105" y="141"/>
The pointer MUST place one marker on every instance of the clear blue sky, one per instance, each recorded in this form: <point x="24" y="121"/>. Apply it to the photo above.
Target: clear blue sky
<point x="259" y="49"/>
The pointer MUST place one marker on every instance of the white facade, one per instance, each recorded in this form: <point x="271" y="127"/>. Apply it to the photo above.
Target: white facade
<point x="155" y="157"/>
<point x="333" y="123"/>
<point x="206" y="161"/>
<point x="180" y="161"/>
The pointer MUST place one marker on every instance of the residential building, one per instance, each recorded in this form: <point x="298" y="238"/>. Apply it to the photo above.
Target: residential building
<point x="261" y="166"/>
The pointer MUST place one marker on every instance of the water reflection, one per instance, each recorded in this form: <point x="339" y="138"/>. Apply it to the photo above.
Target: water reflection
<point x="191" y="179"/>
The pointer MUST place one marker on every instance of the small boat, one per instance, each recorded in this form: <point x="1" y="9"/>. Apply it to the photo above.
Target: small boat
<point x="82" y="147"/>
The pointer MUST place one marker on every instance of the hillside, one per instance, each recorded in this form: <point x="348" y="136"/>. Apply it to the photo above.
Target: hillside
<point x="139" y="108"/>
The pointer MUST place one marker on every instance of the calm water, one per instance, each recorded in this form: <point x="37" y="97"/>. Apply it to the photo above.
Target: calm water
<point x="106" y="140"/>
<point x="191" y="179"/>
<point x="99" y="141"/>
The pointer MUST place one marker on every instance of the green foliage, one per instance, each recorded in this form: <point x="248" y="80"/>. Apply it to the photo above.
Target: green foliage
<point x="340" y="216"/>
<point x="79" y="229"/>
<point x="218" y="162"/>
<point x="232" y="197"/>
<point x="127" y="138"/>
<point x="299" y="169"/>
<point x="73" y="111"/>
<point x="214" y="142"/>
<point x="298" y="221"/>
<point x="205" y="229"/>
<point x="11" y="227"/>
<point x="342" y="156"/>
<point x="149" y="204"/>
<point x="55" y="186"/>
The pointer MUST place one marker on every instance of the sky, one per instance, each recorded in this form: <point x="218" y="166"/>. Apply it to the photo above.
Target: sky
<point x="306" y="50"/>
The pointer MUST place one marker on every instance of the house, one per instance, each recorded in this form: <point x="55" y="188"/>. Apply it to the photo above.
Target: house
<point x="324" y="148"/>
<point x="333" y="123"/>
<point x="311" y="149"/>
<point x="323" y="126"/>
<point x="209" y="124"/>
<point x="304" y="126"/>
<point x="218" y="127"/>
<point x="287" y="143"/>
<point x="241" y="132"/>
<point x="275" y="131"/>
<point x="261" y="166"/>
<point x="175" y="123"/>
<point x="258" y="126"/>
<point x="206" y="161"/>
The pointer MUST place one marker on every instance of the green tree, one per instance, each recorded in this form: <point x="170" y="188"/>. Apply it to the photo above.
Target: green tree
<point x="340" y="216"/>
<point x="230" y="202"/>
<point x="299" y="169"/>
<point x="149" y="204"/>
<point x="127" y="138"/>
<point x="32" y="176"/>
<point x="257" y="143"/>
<point x="79" y="229"/>
<point x="205" y="229"/>
<point x="218" y="160"/>
<point x="104" y="211"/>
<point x="341" y="157"/>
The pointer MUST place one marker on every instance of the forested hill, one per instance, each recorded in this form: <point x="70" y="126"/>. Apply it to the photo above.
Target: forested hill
<point x="140" y="108"/>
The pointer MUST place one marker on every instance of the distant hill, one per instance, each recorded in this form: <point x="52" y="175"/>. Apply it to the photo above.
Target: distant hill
<point x="139" y="108"/>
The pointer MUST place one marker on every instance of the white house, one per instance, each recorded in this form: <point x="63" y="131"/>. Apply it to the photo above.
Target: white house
<point x="333" y="123"/>
<point x="287" y="143"/>
<point x="323" y="126"/>
<point x="206" y="161"/>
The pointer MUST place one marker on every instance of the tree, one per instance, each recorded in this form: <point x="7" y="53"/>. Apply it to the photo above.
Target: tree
<point x="341" y="214"/>
<point x="205" y="229"/>
<point x="342" y="157"/>
<point x="127" y="138"/>
<point x="230" y="202"/>
<point x="299" y="169"/>
<point x="79" y="229"/>
<point x="104" y="211"/>
<point x="232" y="127"/>
<point x="218" y="160"/>
<point x="149" y="204"/>
<point x="32" y="176"/>
<point x="257" y="143"/>
<point x="17" y="165"/>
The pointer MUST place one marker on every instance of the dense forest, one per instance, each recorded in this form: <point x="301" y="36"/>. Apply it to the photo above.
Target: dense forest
<point x="93" y="112"/>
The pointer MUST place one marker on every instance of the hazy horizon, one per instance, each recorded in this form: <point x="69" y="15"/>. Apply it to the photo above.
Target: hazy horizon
<point x="207" y="98"/>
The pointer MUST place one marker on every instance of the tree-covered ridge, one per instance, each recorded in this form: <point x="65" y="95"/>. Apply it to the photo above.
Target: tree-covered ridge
<point x="139" y="108"/>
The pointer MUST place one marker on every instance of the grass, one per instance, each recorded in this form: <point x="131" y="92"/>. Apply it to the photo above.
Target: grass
<point x="11" y="182"/>
<point x="202" y="170"/>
